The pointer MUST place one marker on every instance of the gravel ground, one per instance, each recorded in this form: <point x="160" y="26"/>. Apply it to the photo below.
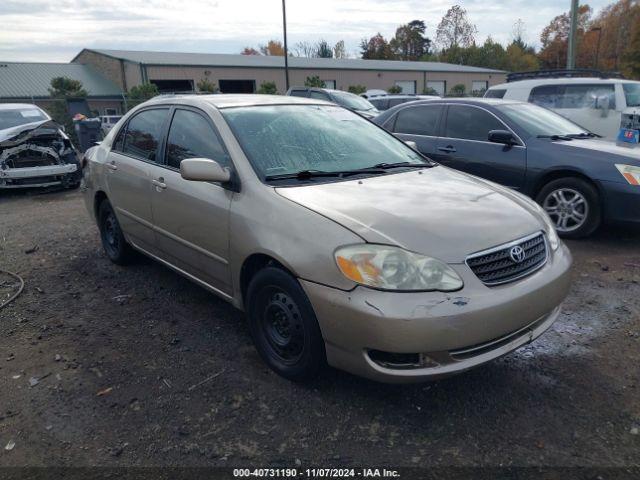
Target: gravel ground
<point x="111" y="366"/>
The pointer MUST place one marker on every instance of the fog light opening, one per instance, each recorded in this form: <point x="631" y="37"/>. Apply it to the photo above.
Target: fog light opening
<point x="402" y="361"/>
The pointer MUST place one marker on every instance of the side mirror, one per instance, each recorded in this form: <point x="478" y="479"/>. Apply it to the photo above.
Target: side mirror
<point x="411" y="144"/>
<point x="502" y="136"/>
<point x="203" y="170"/>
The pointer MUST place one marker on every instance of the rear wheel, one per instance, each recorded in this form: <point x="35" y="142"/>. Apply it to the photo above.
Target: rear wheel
<point x="115" y="245"/>
<point x="573" y="205"/>
<point x="283" y="325"/>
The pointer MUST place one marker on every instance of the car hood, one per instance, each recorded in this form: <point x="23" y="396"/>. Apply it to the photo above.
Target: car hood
<point x="8" y="135"/>
<point x="436" y="211"/>
<point x="604" y="146"/>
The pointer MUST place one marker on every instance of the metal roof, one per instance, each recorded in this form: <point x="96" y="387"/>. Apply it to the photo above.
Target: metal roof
<point x="262" y="61"/>
<point x="33" y="80"/>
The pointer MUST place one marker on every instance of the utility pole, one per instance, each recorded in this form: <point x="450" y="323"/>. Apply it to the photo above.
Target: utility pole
<point x="571" y="53"/>
<point x="286" y="53"/>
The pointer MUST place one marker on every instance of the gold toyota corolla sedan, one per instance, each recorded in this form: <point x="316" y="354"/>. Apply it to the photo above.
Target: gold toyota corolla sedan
<point x="343" y="245"/>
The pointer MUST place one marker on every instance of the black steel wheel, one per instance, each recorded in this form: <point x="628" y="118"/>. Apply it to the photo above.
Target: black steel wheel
<point x="113" y="241"/>
<point x="283" y="325"/>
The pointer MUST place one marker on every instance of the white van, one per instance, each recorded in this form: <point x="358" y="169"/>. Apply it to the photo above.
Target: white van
<point x="596" y="104"/>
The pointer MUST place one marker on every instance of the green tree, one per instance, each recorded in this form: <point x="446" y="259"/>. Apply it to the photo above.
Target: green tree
<point x="61" y="90"/>
<point x="376" y="48"/>
<point x="323" y="50"/>
<point x="458" y="89"/>
<point x="357" y="89"/>
<point x="268" y="88"/>
<point x="395" y="89"/>
<point x="314" y="82"/>
<point x="141" y="93"/>
<point x="206" y="85"/>
<point x="65" y="87"/>
<point x="410" y="42"/>
<point x="429" y="91"/>
<point x="455" y="29"/>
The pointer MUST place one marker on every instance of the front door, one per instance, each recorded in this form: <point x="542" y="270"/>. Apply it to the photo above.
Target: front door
<point x="464" y="146"/>
<point x="191" y="219"/>
<point x="128" y="176"/>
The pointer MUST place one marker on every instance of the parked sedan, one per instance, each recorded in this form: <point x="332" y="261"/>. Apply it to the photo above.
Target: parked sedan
<point x="347" y="100"/>
<point x="579" y="180"/>
<point x="342" y="244"/>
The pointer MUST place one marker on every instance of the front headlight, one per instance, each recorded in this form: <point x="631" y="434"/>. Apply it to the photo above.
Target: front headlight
<point x="392" y="268"/>
<point x="552" y="235"/>
<point x="630" y="173"/>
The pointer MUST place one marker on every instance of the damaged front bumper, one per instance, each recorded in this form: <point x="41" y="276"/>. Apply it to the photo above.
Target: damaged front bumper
<point x="39" y="157"/>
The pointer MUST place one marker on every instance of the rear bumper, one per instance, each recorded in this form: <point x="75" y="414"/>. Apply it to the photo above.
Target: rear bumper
<point x="622" y="202"/>
<point x="452" y="332"/>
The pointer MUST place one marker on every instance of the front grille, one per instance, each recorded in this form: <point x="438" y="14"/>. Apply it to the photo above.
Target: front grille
<point x="497" y="265"/>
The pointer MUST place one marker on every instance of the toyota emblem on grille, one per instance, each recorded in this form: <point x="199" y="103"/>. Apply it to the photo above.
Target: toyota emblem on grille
<point x="517" y="254"/>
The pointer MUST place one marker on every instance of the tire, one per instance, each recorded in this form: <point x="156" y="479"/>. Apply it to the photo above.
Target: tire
<point x="573" y="205"/>
<point x="115" y="245"/>
<point x="283" y="325"/>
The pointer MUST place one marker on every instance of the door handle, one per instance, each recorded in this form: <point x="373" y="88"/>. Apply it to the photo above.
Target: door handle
<point x="159" y="183"/>
<point x="447" y="149"/>
<point x="112" y="165"/>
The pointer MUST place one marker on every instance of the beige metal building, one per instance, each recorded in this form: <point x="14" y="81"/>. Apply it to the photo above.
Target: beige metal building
<point x="180" y="72"/>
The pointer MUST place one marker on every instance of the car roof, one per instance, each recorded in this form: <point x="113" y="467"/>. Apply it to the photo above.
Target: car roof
<point x="14" y="106"/>
<point x="465" y="100"/>
<point x="229" y="100"/>
<point x="530" y="83"/>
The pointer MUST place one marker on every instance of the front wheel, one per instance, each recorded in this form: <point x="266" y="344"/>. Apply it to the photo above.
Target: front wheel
<point x="573" y="205"/>
<point x="283" y="325"/>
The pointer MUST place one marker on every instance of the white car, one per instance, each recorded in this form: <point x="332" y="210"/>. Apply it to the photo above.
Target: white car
<point x="597" y="104"/>
<point x="34" y="151"/>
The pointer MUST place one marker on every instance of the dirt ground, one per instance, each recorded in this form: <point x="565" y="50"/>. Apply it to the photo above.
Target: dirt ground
<point x="111" y="366"/>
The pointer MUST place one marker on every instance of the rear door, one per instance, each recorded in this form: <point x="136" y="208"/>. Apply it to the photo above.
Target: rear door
<point x="128" y="178"/>
<point x="464" y="145"/>
<point x="419" y="124"/>
<point x="191" y="219"/>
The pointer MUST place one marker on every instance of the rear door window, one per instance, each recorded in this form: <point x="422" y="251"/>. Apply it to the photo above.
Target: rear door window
<point x="144" y="132"/>
<point x="470" y="123"/>
<point x="192" y="136"/>
<point x="419" y="120"/>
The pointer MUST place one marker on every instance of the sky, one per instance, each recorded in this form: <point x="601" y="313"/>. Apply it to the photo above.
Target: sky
<point x="56" y="30"/>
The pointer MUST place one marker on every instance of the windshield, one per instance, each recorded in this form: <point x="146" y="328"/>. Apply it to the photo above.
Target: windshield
<point x="538" y="121"/>
<point x="352" y="101"/>
<point x="632" y="94"/>
<point x="286" y="139"/>
<point x="20" y="116"/>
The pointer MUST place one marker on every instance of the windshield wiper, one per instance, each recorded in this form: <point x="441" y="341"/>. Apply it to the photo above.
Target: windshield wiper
<point x="584" y="135"/>
<point x="557" y="137"/>
<point x="307" y="174"/>
<point x="402" y="165"/>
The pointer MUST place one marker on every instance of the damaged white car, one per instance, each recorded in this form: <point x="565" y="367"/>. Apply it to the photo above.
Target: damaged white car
<point x="34" y="151"/>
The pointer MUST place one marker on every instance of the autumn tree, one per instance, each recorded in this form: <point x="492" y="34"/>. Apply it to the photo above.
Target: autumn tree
<point x="617" y="25"/>
<point x="410" y="42"/>
<point x="555" y="39"/>
<point x="376" y="48"/>
<point x="272" y="48"/>
<point x="249" y="51"/>
<point x="455" y="29"/>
